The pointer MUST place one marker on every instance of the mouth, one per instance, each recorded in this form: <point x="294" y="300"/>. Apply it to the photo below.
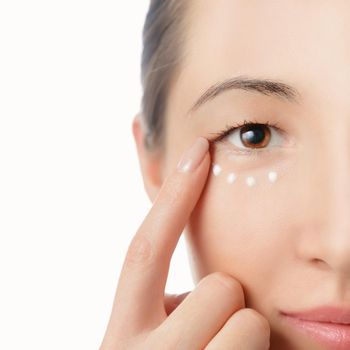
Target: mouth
<point x="327" y="325"/>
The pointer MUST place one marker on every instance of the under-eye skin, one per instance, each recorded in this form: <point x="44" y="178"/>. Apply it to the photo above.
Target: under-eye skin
<point x="251" y="138"/>
<point x="216" y="169"/>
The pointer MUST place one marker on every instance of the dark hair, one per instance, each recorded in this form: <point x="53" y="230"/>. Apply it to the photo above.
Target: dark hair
<point x="163" y="35"/>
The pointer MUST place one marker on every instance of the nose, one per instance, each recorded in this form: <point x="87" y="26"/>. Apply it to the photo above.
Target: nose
<point x="329" y="202"/>
<point x="334" y="245"/>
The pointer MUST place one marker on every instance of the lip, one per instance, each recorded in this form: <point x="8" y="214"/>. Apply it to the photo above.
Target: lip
<point x="330" y="314"/>
<point x="328" y="325"/>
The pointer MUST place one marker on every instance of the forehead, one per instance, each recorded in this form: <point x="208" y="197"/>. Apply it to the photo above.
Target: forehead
<point x="306" y="43"/>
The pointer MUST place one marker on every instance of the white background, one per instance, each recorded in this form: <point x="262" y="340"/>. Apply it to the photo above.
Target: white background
<point x="71" y="192"/>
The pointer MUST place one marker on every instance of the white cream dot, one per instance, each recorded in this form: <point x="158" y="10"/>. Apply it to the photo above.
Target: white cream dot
<point x="216" y="169"/>
<point x="250" y="181"/>
<point x="272" y="176"/>
<point x="231" y="178"/>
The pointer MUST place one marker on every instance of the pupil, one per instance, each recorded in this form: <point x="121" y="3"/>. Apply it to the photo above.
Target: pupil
<point x="254" y="135"/>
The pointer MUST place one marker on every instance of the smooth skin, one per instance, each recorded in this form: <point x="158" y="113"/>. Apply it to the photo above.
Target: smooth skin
<point x="212" y="316"/>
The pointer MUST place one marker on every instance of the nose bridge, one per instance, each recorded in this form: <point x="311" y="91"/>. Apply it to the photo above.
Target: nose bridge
<point x="334" y="163"/>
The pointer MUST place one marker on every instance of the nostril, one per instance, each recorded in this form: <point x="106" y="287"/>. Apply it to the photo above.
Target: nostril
<point x="319" y="263"/>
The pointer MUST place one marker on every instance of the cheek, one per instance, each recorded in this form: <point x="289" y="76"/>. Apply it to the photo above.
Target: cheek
<point x="242" y="222"/>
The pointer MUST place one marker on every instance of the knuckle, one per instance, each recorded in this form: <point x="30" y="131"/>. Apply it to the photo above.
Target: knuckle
<point x="140" y="250"/>
<point x="173" y="190"/>
<point x="254" y="321"/>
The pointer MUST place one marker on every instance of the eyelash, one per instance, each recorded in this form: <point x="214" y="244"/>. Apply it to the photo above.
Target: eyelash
<point x="221" y="135"/>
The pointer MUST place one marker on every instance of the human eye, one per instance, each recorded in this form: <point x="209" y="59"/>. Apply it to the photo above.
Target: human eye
<point x="250" y="137"/>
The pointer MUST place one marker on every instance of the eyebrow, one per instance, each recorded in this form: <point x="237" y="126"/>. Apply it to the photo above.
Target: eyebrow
<point x="267" y="87"/>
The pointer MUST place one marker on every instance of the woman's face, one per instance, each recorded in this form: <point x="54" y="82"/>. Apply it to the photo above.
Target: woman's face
<point x="277" y="219"/>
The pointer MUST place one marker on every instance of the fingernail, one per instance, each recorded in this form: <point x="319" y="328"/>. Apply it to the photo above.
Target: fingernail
<point x="191" y="159"/>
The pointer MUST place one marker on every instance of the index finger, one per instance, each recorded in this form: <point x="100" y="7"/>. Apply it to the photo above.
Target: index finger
<point x="140" y="291"/>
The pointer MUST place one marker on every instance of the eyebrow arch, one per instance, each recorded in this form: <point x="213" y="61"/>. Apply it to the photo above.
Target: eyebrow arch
<point x="264" y="86"/>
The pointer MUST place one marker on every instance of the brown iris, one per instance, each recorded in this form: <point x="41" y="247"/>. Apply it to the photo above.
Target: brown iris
<point x="255" y="136"/>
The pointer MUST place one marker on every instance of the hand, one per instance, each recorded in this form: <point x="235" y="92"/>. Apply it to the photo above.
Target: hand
<point x="213" y="316"/>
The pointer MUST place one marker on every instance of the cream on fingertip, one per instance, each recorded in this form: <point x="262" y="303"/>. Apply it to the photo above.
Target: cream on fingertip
<point x="193" y="157"/>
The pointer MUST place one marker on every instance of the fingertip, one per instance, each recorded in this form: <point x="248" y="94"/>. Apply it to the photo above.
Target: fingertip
<point x="193" y="156"/>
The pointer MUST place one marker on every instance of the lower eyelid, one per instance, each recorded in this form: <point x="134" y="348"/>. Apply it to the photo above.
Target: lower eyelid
<point x="253" y="151"/>
<point x="249" y="153"/>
